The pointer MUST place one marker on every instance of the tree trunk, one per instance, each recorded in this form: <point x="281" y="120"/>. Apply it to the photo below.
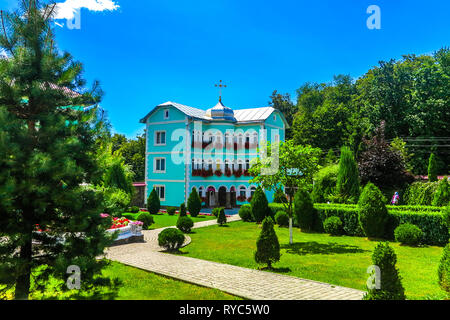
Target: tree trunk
<point x="23" y="280"/>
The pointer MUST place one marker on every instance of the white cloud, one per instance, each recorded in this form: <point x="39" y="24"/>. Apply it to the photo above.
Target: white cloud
<point x="66" y="10"/>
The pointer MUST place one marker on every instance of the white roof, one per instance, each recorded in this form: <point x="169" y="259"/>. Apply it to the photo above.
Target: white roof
<point x="242" y="116"/>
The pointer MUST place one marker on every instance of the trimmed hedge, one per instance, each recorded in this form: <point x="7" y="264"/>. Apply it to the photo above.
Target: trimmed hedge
<point x="408" y="234"/>
<point x="432" y="223"/>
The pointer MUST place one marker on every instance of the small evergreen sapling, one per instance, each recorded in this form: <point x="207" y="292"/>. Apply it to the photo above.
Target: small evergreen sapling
<point x="221" y="218"/>
<point x="267" y="245"/>
<point x="390" y="281"/>
<point x="347" y="185"/>
<point x="153" y="203"/>
<point x="183" y="210"/>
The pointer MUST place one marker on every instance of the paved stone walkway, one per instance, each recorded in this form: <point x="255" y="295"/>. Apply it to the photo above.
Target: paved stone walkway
<point x="243" y="282"/>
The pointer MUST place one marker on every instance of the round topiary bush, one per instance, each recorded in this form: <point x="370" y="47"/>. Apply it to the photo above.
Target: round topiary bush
<point x="171" y="239"/>
<point x="185" y="224"/>
<point x="171" y="211"/>
<point x="333" y="226"/>
<point x="409" y="234"/>
<point x="245" y="213"/>
<point x="372" y="212"/>
<point x="304" y="209"/>
<point x="146" y="219"/>
<point x="282" y="219"/>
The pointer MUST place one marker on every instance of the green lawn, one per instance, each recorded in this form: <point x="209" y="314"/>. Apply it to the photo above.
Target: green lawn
<point x="164" y="220"/>
<point x="337" y="260"/>
<point x="138" y="284"/>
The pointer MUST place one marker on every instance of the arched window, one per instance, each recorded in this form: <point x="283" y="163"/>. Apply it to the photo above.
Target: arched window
<point x="242" y="191"/>
<point x="252" y="191"/>
<point x="247" y="164"/>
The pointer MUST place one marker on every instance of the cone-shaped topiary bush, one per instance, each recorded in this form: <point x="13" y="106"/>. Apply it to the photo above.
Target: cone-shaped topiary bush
<point x="279" y="196"/>
<point x="432" y="168"/>
<point x="347" y="184"/>
<point x="182" y="210"/>
<point x="390" y="285"/>
<point x="442" y="194"/>
<point x="372" y="212"/>
<point x="304" y="209"/>
<point x="267" y="245"/>
<point x="194" y="203"/>
<point x="153" y="203"/>
<point x="259" y="205"/>
<point x="221" y="218"/>
<point x="444" y="269"/>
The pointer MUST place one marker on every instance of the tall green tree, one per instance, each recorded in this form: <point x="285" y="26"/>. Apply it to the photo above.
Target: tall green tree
<point x="289" y="165"/>
<point x="432" y="168"/>
<point x="284" y="103"/>
<point x="133" y="152"/>
<point x="347" y="185"/>
<point x="47" y="152"/>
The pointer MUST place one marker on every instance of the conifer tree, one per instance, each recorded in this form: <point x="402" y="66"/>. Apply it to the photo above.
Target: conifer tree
<point x="221" y="217"/>
<point x="153" y="202"/>
<point x="330" y="158"/>
<point x="390" y="285"/>
<point x="194" y="203"/>
<point x="444" y="269"/>
<point x="347" y="185"/>
<point x="432" y="168"/>
<point x="259" y="205"/>
<point x="183" y="210"/>
<point x="442" y="194"/>
<point x="47" y="157"/>
<point x="372" y="211"/>
<point x="267" y="245"/>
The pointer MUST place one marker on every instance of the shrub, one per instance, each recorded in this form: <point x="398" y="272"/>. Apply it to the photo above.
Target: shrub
<point x="171" y="239"/>
<point x="185" y="224"/>
<point x="259" y="205"/>
<point x="171" y="211"/>
<point x="279" y="196"/>
<point x="347" y="181"/>
<point x="267" y="245"/>
<point x="183" y="210"/>
<point x="333" y="226"/>
<point x="325" y="184"/>
<point x="146" y="219"/>
<point x="409" y="234"/>
<point x="432" y="168"/>
<point x="347" y="213"/>
<point x="245" y="213"/>
<point x="444" y="269"/>
<point x="442" y="194"/>
<point x="420" y="193"/>
<point x="390" y="281"/>
<point x="215" y="211"/>
<point x="134" y="209"/>
<point x="115" y="201"/>
<point x="153" y="203"/>
<point x="194" y="203"/>
<point x="304" y="209"/>
<point x="282" y="219"/>
<point x="221" y="218"/>
<point x="373" y="214"/>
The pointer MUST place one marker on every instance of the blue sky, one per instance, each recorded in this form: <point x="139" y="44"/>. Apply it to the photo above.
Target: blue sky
<point x="148" y="52"/>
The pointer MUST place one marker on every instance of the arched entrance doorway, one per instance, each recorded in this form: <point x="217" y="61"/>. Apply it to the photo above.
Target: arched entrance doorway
<point x="211" y="196"/>
<point x="222" y="196"/>
<point x="233" y="197"/>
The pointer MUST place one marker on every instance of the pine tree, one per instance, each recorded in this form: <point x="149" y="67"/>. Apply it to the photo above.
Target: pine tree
<point x="390" y="283"/>
<point x="183" y="210"/>
<point x="153" y="203"/>
<point x="119" y="177"/>
<point x="267" y="245"/>
<point x="432" y="168"/>
<point x="347" y="185"/>
<point x="47" y="156"/>
<point x="194" y="203"/>
<point x="259" y="205"/>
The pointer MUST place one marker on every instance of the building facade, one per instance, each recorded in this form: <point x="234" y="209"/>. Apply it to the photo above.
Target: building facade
<point x="210" y="150"/>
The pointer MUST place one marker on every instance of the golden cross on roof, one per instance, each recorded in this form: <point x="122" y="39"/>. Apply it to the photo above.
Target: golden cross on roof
<point x="220" y="85"/>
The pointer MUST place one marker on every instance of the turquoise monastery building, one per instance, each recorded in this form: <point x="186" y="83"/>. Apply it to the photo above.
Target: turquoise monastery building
<point x="210" y="150"/>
